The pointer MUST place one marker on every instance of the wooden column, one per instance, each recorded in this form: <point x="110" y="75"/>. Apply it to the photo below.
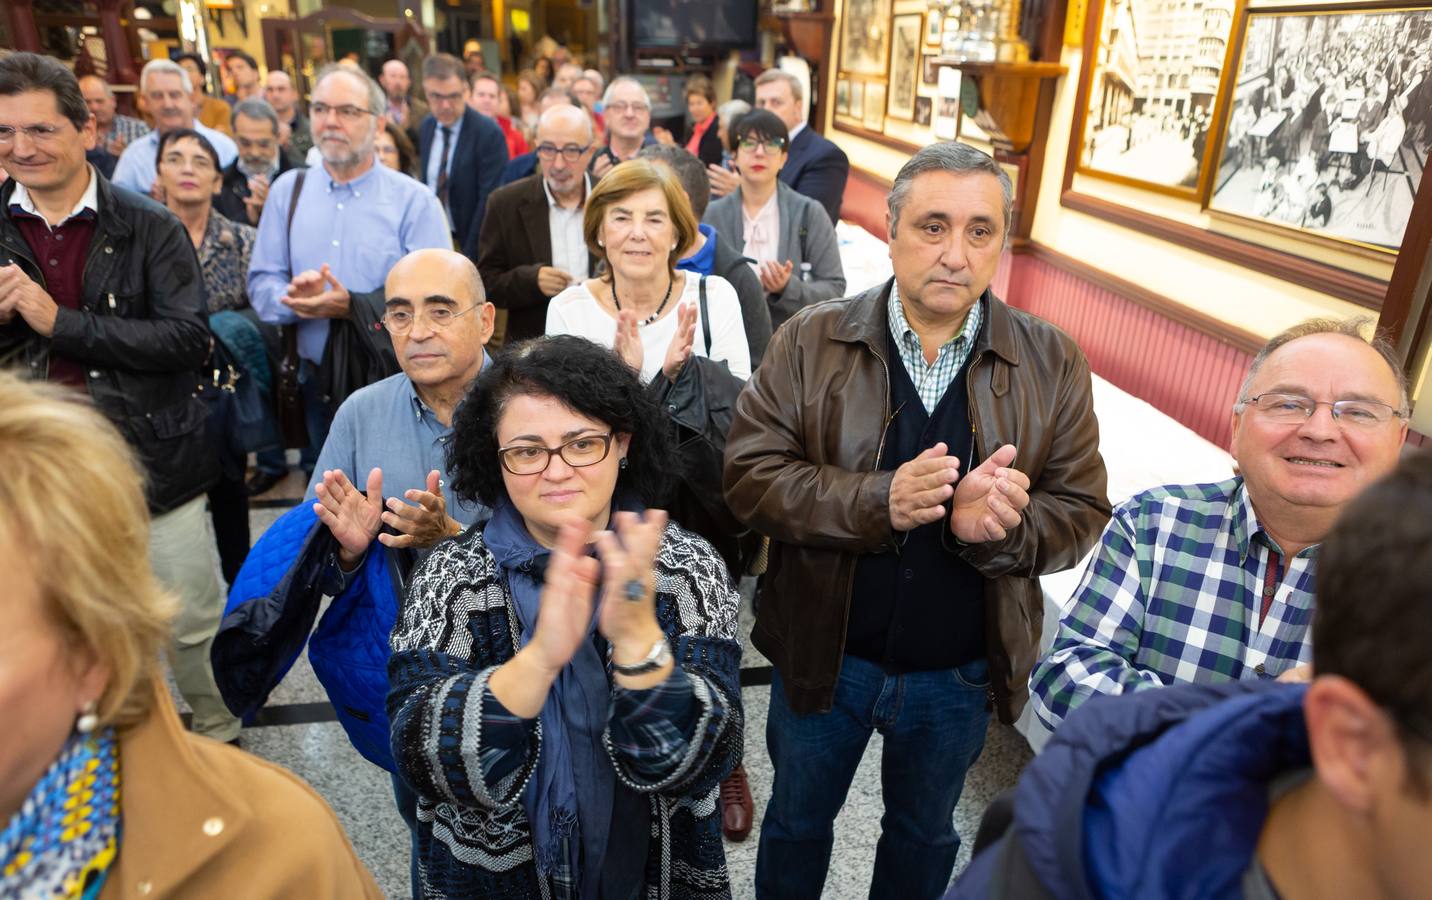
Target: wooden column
<point x="116" y="43"/>
<point x="22" y="26"/>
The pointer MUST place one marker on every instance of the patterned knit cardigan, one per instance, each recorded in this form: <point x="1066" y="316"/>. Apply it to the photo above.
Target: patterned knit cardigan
<point x="456" y="626"/>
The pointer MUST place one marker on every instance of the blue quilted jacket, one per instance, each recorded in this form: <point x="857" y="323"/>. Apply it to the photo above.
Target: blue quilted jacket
<point x="271" y="610"/>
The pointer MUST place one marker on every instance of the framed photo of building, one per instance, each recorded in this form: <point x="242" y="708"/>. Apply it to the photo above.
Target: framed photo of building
<point x="874" y="106"/>
<point x="1328" y="122"/>
<point x="1151" y="93"/>
<point x="865" y="37"/>
<point x="904" y="65"/>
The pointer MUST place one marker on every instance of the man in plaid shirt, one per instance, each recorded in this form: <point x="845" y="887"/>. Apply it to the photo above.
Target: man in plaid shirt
<point x="1214" y="582"/>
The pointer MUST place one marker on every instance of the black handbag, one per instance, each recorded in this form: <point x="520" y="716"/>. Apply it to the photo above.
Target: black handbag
<point x="288" y="392"/>
<point x="239" y="420"/>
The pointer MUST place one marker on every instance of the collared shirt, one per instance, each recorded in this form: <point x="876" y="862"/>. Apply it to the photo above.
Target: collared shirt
<point x="88" y="202"/>
<point x="800" y="126"/>
<point x="762" y="233"/>
<point x="569" y="244"/>
<point x="136" y="168"/>
<point x="359" y="228"/>
<point x="435" y="153"/>
<point x="1173" y="594"/>
<point x="931" y="379"/>
<point x="387" y="426"/>
<point x="126" y="128"/>
<point x="224" y="260"/>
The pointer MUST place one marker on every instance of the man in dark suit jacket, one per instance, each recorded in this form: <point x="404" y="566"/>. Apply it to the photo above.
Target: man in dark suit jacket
<point x="461" y="152"/>
<point x="520" y="266"/>
<point x="814" y="166"/>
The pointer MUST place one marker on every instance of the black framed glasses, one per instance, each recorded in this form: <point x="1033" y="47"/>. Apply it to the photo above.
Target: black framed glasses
<point x="1294" y="408"/>
<point x="771" y="145"/>
<point x="571" y="152"/>
<point x="530" y="459"/>
<point x="346" y="112"/>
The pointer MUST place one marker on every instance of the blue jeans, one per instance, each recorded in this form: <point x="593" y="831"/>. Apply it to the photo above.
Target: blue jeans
<point x="407" y="801"/>
<point x="933" y="724"/>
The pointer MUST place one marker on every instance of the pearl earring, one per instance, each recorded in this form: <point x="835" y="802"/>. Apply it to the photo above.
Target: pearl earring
<point x="88" y="719"/>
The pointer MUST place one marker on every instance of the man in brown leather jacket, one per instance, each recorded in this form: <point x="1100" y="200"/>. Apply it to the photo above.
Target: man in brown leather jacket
<point x="918" y="455"/>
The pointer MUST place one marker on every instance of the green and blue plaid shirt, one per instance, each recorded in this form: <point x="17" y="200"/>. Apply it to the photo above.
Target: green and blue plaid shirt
<point x="931" y="380"/>
<point x="1173" y="594"/>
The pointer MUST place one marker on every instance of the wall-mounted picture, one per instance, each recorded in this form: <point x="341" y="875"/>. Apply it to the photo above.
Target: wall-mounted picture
<point x="924" y="111"/>
<point x="857" y="99"/>
<point x="929" y="72"/>
<point x="947" y="104"/>
<point x="865" y="37"/>
<point x="842" y="97"/>
<point x="874" y="106"/>
<point x="1329" y="124"/>
<point x="1153" y="90"/>
<point x="904" y="65"/>
<point x="934" y="27"/>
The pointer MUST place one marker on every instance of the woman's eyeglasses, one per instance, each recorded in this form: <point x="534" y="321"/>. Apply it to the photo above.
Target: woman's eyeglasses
<point x="530" y="459"/>
<point x="773" y="145"/>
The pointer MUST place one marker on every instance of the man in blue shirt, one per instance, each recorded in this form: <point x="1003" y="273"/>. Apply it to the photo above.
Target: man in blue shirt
<point x="352" y="221"/>
<point x="170" y="96"/>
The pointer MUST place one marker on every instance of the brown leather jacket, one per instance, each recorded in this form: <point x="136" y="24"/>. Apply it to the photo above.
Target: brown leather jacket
<point x="801" y="469"/>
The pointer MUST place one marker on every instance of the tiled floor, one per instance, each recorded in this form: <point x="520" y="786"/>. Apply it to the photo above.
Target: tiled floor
<point x="361" y="794"/>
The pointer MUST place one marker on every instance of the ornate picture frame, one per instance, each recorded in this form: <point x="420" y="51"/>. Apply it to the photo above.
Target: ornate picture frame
<point x="905" y="33"/>
<point x="865" y="37"/>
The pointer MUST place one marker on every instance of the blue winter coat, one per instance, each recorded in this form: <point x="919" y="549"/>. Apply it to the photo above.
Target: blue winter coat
<point x="271" y="609"/>
<point x="1156" y="795"/>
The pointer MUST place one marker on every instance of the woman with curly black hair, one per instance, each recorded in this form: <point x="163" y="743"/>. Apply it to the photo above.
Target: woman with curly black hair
<point x="565" y="716"/>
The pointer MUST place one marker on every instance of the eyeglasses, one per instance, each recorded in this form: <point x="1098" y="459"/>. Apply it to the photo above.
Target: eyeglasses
<point x="530" y="459"/>
<point x="623" y="107"/>
<point x="202" y="164"/>
<point x="1291" y="408"/>
<point x="438" y="318"/>
<point x="571" y="152"/>
<point x="435" y="97"/>
<point x="39" y="134"/>
<point x="346" y="112"/>
<point x="772" y="146"/>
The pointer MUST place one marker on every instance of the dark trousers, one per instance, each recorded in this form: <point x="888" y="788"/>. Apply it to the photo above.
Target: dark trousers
<point x="317" y="418"/>
<point x="933" y="725"/>
<point x="407" y="801"/>
<point x="229" y="508"/>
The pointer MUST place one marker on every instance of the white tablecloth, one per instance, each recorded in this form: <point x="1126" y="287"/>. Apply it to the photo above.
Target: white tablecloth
<point x="1142" y="447"/>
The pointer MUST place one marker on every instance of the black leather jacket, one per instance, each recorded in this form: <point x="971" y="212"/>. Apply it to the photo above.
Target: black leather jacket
<point x="140" y="334"/>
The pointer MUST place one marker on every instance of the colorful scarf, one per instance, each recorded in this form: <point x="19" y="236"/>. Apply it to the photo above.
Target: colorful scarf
<point x="66" y="834"/>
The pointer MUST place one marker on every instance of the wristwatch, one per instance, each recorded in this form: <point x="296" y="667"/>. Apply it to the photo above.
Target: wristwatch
<point x="658" y="656"/>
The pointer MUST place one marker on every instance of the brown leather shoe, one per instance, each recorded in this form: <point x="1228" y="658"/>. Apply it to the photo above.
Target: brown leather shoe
<point x="737" y="809"/>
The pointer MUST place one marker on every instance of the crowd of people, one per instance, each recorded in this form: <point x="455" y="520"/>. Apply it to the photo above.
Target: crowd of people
<point x="559" y="383"/>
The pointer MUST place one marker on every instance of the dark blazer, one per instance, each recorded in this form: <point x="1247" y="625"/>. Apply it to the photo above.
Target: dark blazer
<point x="235" y="189"/>
<point x="709" y="151"/>
<point x="817" y="168"/>
<point x="519" y="167"/>
<point x="516" y="241"/>
<point x="477" y="163"/>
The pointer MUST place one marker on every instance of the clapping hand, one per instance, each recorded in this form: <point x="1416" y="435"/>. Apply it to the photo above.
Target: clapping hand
<point x="775" y="276"/>
<point x="679" y="350"/>
<point x="353" y="516"/>
<point x="317" y="295"/>
<point x="989" y="499"/>
<point x="920" y="488"/>
<point x="423" y="520"/>
<point x="19" y="294"/>
<point x="723" y="180"/>
<point x="627" y="343"/>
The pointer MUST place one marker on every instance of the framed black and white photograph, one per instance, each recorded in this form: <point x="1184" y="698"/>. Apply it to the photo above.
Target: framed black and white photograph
<point x="934" y="27"/>
<point x="929" y="72"/>
<point x="1329" y="122"/>
<point x="874" y="106"/>
<point x="865" y="37"/>
<point x="857" y="99"/>
<point x="904" y="65"/>
<point x="947" y="104"/>
<point x="924" y="111"/>
<point x="842" y="97"/>
<point x="1152" y="91"/>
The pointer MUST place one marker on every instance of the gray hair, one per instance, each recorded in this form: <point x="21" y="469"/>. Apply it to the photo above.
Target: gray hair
<point x="731" y="110"/>
<point x="626" y="79"/>
<point x="559" y="111"/>
<point x="377" y="100"/>
<point x="1356" y="328"/>
<point x="162" y="67"/>
<point x="254" y="108"/>
<point x="689" y="170"/>
<point x="773" y="75"/>
<point x="957" y="159"/>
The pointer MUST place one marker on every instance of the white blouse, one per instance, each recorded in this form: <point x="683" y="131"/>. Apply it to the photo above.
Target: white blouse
<point x="576" y="311"/>
<point x="762" y="233"/>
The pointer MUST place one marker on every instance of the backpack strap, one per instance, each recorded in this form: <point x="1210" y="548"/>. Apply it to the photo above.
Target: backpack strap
<point x="705" y="315"/>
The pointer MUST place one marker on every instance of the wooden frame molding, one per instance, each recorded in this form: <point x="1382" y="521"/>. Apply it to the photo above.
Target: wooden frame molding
<point x="1232" y="335"/>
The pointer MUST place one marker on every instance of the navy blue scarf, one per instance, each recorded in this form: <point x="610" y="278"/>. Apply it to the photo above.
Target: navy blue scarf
<point x="569" y="798"/>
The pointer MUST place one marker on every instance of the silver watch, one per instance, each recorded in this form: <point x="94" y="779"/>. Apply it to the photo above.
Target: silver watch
<point x="658" y="656"/>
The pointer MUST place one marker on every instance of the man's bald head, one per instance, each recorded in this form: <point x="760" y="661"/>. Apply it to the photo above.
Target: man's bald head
<point x="564" y="124"/>
<point x="438" y="317"/>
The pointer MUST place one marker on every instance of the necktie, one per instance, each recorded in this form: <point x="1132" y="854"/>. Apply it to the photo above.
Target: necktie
<point x="442" y="168"/>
